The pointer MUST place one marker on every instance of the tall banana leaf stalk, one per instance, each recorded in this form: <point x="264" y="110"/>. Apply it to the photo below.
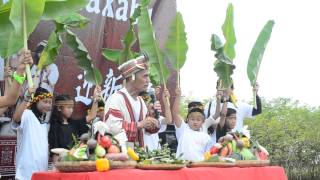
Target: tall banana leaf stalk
<point x="158" y="70"/>
<point x="256" y="55"/>
<point x="225" y="53"/>
<point x="176" y="44"/>
<point x="148" y="43"/>
<point x="229" y="34"/>
<point x="20" y="17"/>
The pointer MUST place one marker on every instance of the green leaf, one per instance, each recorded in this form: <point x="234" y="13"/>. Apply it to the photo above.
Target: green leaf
<point x="215" y="42"/>
<point x="55" y="0"/>
<point x="51" y="51"/>
<point x="128" y="40"/>
<point x="55" y="9"/>
<point x="223" y="66"/>
<point x="257" y="52"/>
<point x="149" y="44"/>
<point x="229" y="34"/>
<point x="176" y="44"/>
<point x="34" y="10"/>
<point x="73" y="19"/>
<point x="83" y="58"/>
<point x="224" y="72"/>
<point x="11" y="23"/>
<point x="112" y="54"/>
<point x="7" y="30"/>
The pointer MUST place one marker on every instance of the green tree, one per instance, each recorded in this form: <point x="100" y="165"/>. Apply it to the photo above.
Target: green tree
<point x="290" y="132"/>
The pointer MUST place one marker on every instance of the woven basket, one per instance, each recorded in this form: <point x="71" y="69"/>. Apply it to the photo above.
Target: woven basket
<point x="252" y="163"/>
<point x="76" y="166"/>
<point x="240" y="163"/>
<point x="161" y="166"/>
<point x="123" y="164"/>
<point x="211" y="164"/>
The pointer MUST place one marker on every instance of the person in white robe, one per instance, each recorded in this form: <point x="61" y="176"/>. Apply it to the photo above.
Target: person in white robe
<point x="32" y="137"/>
<point x="126" y="112"/>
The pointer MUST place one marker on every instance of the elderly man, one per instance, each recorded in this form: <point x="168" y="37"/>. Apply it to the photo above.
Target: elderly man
<point x="126" y="112"/>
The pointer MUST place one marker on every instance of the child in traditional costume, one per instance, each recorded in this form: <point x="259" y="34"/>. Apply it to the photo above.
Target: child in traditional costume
<point x="192" y="141"/>
<point x="63" y="127"/>
<point x="32" y="136"/>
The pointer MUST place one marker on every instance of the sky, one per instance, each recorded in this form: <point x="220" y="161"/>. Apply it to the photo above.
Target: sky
<point x="290" y="65"/>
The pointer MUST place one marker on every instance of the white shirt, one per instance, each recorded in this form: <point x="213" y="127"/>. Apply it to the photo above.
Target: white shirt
<point x="152" y="140"/>
<point x="244" y="110"/>
<point x="32" y="151"/>
<point x="135" y="104"/>
<point x="192" y="144"/>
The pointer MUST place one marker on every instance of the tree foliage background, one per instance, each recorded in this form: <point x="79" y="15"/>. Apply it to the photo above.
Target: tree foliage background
<point x="291" y="134"/>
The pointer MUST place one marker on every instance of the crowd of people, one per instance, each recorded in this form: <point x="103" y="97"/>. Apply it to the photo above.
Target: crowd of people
<point x="132" y="115"/>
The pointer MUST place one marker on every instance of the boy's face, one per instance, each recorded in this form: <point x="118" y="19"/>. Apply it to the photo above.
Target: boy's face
<point x="195" y="120"/>
<point x="231" y="121"/>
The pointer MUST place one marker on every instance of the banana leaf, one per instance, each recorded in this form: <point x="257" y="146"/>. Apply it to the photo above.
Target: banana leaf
<point x="216" y="43"/>
<point x="113" y="55"/>
<point x="148" y="43"/>
<point x="11" y="19"/>
<point x="56" y="39"/>
<point x="229" y="34"/>
<point x="51" y="51"/>
<point x="49" y="54"/>
<point x="12" y="26"/>
<point x="176" y="44"/>
<point x="24" y="16"/>
<point x="73" y="20"/>
<point x="83" y="58"/>
<point x="223" y="66"/>
<point x="7" y="29"/>
<point x="256" y="54"/>
<point x="121" y="56"/>
<point x="56" y="8"/>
